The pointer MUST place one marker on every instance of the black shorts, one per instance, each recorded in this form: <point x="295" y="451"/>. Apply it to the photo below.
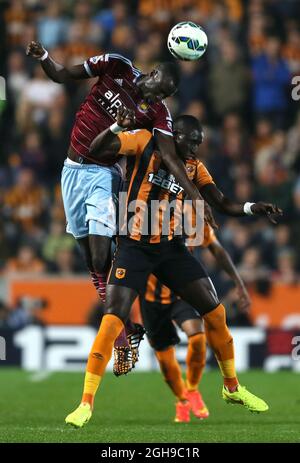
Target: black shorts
<point x="170" y="262"/>
<point x="159" y="321"/>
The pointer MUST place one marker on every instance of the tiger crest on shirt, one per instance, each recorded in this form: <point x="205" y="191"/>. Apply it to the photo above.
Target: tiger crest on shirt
<point x="120" y="273"/>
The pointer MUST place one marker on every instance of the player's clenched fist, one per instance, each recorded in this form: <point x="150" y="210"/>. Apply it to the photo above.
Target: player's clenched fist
<point x="35" y="49"/>
<point x="125" y="117"/>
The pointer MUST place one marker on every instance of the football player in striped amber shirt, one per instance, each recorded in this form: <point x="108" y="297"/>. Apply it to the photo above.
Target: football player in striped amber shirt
<point x="161" y="310"/>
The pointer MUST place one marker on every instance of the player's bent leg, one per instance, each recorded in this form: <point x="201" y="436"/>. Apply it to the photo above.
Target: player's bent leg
<point x="201" y="294"/>
<point x="97" y="253"/>
<point x="220" y="339"/>
<point x="171" y="371"/>
<point x="117" y="309"/>
<point x="195" y="364"/>
<point x="126" y="345"/>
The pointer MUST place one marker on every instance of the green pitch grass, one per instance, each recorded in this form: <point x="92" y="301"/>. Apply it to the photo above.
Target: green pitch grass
<point x="140" y="408"/>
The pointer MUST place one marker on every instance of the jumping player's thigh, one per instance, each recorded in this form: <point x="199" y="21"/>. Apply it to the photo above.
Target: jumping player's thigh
<point x="119" y="300"/>
<point x="96" y="251"/>
<point x="74" y="191"/>
<point x="100" y="251"/>
<point x="200" y="294"/>
<point x="186" y="276"/>
<point x="84" y="246"/>
<point x="132" y="265"/>
<point x="101" y="200"/>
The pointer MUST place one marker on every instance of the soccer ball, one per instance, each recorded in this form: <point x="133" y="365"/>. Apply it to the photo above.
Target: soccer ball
<point x="187" y="41"/>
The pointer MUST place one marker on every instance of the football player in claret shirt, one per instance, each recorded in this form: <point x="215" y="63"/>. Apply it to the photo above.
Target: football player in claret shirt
<point x="90" y="190"/>
<point x="162" y="253"/>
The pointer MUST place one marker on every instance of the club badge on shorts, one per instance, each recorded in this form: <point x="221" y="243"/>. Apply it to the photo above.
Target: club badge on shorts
<point x="120" y="273"/>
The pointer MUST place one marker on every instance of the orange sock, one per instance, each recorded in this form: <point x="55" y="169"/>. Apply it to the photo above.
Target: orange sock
<point x="220" y="340"/>
<point x="195" y="360"/>
<point x="100" y="355"/>
<point x="171" y="371"/>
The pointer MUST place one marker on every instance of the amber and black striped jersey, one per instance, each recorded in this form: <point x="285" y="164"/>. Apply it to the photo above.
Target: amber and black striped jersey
<point x="150" y="189"/>
<point x="157" y="292"/>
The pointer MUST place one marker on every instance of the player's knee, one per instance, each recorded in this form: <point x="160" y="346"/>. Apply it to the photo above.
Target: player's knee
<point x="192" y="327"/>
<point x="215" y="318"/>
<point x="118" y="312"/>
<point x="99" y="262"/>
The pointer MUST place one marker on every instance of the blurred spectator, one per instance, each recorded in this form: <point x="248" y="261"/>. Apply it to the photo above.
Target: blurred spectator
<point x="111" y="18"/>
<point x="251" y="268"/>
<point x="26" y="201"/>
<point x="26" y="261"/>
<point x="38" y="97"/>
<point x="271" y="78"/>
<point x="32" y="154"/>
<point x="25" y="312"/>
<point x="17" y="75"/>
<point x="191" y="86"/>
<point x="65" y="263"/>
<point x="56" y="141"/>
<point x="122" y="41"/>
<point x="263" y="134"/>
<point x="83" y="28"/>
<point x="228" y="81"/>
<point x="274" y="151"/>
<point x="144" y="58"/>
<point x="16" y="17"/>
<point x="291" y="50"/>
<point x="286" y="269"/>
<point x="237" y="239"/>
<point x="275" y="186"/>
<point x="52" y="27"/>
<point x="57" y="240"/>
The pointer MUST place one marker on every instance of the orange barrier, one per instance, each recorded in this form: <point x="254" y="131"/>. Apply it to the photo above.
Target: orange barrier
<point x="281" y="308"/>
<point x="69" y="300"/>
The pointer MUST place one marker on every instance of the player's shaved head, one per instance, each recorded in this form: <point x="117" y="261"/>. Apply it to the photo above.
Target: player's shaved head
<point x="188" y="135"/>
<point x="187" y="123"/>
<point x="159" y="83"/>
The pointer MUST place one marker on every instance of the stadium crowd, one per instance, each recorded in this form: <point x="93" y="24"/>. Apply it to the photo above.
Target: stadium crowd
<point x="241" y="91"/>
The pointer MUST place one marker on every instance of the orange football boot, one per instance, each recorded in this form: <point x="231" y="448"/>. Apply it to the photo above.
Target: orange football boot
<point x="198" y="407"/>
<point x="182" y="412"/>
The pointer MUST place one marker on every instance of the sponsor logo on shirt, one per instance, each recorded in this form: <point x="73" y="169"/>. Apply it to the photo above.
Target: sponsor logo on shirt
<point x="111" y="102"/>
<point x="165" y="181"/>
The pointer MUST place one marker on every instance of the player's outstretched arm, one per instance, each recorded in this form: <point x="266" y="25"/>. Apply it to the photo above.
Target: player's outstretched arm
<point x="225" y="263"/>
<point x="107" y="144"/>
<point x="55" y="71"/>
<point x="217" y="200"/>
<point x="175" y="165"/>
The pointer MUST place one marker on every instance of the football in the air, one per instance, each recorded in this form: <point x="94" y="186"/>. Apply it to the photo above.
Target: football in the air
<point x="187" y="41"/>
